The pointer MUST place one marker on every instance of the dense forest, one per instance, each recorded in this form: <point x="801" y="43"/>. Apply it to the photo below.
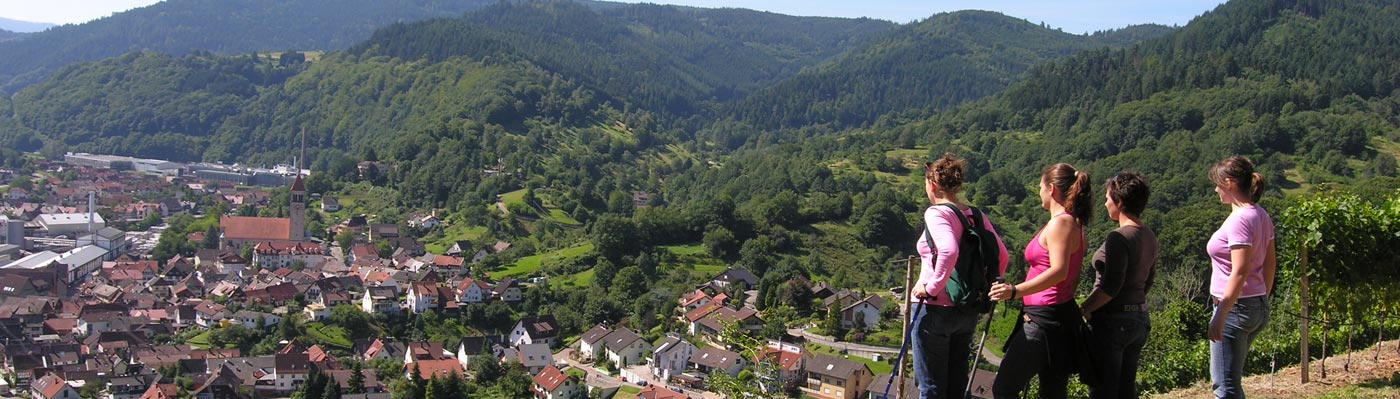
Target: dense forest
<point x="8" y="35"/>
<point x="922" y="67"/>
<point x="223" y="27"/>
<point x="788" y="146"/>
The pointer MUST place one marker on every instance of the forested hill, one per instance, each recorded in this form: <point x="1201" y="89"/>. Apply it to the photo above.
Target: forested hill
<point x="8" y="35"/>
<point x="1307" y="89"/>
<point x="661" y="58"/>
<point x="924" y="66"/>
<point x="220" y="26"/>
<point x="244" y="107"/>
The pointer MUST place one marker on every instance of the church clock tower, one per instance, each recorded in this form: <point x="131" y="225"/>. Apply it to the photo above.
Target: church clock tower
<point x="297" y="209"/>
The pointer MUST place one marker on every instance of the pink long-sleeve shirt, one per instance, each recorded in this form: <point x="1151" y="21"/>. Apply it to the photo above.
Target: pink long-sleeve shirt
<point x="937" y="260"/>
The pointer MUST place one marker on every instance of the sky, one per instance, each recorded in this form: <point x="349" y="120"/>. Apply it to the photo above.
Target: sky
<point x="1074" y="16"/>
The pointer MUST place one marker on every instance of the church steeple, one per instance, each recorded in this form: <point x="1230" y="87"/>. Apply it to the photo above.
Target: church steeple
<point x="297" y="209"/>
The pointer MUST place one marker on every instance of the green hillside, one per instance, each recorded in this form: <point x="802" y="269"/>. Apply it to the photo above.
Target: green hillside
<point x="925" y="66"/>
<point x="225" y="27"/>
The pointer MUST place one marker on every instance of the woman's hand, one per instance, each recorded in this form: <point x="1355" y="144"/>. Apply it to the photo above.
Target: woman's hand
<point x="921" y="293"/>
<point x="1001" y="292"/>
<point x="1217" y="326"/>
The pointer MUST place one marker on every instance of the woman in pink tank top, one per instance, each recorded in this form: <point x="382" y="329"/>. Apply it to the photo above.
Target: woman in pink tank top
<point x="1043" y="341"/>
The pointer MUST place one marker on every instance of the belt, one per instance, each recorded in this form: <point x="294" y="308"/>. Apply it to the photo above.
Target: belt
<point x="1141" y="307"/>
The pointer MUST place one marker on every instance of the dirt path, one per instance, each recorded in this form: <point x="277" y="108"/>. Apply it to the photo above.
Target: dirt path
<point x="1367" y="378"/>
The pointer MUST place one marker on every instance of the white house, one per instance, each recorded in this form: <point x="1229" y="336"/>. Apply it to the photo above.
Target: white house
<point x="422" y="297"/>
<point x="381" y="300"/>
<point x="471" y="290"/>
<point x="551" y="383"/>
<point x="51" y="386"/>
<point x="710" y="360"/>
<point x="249" y="319"/>
<point x="508" y="290"/>
<point x="209" y="313"/>
<point x="670" y="357"/>
<point x="590" y="345"/>
<point x="535" y="330"/>
<point x="290" y="371"/>
<point x="623" y="347"/>
<point x="864" y="313"/>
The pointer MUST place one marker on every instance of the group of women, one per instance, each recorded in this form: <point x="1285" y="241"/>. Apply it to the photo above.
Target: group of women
<point x="1044" y="342"/>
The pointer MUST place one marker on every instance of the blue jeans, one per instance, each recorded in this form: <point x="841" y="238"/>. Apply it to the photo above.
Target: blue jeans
<point x="942" y="346"/>
<point x="1227" y="356"/>
<point x="1119" y="337"/>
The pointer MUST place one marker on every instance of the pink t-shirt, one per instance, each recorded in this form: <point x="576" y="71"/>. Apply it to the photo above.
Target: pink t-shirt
<point x="1038" y="257"/>
<point x="1248" y="227"/>
<point x="945" y="228"/>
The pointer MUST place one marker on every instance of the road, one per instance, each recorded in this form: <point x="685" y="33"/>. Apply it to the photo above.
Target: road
<point x="987" y="354"/>
<point x="640" y="370"/>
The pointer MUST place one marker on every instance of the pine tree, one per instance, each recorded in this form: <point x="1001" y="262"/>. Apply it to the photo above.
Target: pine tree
<point x="434" y="389"/>
<point x="331" y="389"/>
<point x="357" y="380"/>
<point x="314" y="386"/>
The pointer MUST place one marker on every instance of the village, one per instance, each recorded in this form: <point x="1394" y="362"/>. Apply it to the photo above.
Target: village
<point x="87" y="312"/>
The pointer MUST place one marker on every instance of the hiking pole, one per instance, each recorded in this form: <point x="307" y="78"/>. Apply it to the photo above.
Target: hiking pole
<point x="903" y="348"/>
<point x="909" y="265"/>
<point x="977" y="356"/>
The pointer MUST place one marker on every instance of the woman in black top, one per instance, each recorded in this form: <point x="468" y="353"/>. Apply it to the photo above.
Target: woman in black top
<point x="1117" y="308"/>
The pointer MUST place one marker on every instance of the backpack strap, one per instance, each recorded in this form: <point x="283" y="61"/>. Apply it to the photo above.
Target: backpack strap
<point x="958" y="212"/>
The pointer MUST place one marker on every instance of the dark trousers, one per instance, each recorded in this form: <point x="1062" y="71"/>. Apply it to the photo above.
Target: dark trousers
<point x="1119" y="338"/>
<point x="1037" y="349"/>
<point x="942" y="346"/>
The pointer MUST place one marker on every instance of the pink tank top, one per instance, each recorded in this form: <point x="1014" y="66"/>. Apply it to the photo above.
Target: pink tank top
<point x="1039" y="260"/>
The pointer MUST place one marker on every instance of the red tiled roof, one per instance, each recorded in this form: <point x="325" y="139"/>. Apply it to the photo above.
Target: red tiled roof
<point x="440" y="368"/>
<point x="256" y="228"/>
<point x="551" y="378"/>
<point x="702" y="311"/>
<point x="50" y="385"/>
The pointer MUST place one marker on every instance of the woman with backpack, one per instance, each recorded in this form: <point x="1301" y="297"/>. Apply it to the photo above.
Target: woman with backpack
<point x="1117" y="308"/>
<point x="942" y="335"/>
<point x="1242" y="273"/>
<point x="1043" y="342"/>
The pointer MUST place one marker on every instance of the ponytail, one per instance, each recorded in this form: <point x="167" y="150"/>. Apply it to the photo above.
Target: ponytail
<point x="1241" y="171"/>
<point x="1074" y="185"/>
<point x="1079" y="202"/>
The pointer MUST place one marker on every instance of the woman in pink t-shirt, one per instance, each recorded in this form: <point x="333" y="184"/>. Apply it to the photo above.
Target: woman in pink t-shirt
<point x="1043" y="341"/>
<point x="1242" y="273"/>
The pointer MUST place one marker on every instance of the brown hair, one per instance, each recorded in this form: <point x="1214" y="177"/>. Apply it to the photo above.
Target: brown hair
<point x="1074" y="184"/>
<point x="1128" y="190"/>
<point x="1241" y="170"/>
<point x="946" y="171"/>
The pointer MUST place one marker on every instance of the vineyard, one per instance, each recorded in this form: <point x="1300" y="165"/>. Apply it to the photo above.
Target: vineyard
<point x="1336" y="283"/>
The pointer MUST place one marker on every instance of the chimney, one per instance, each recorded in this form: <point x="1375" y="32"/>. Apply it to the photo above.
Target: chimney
<point x="301" y="161"/>
<point x="92" y="212"/>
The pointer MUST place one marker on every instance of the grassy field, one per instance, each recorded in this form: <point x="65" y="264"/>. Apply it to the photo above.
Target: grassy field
<point x="330" y="335"/>
<point x="627" y="392"/>
<point x="878" y="368"/>
<point x="575" y="280"/>
<point x="200" y="341"/>
<point x="513" y="197"/>
<point x="685" y="250"/>
<point x="452" y="234"/>
<point x="529" y="264"/>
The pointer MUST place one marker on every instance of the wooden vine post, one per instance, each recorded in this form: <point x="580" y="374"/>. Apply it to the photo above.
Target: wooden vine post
<point x="909" y="266"/>
<point x="1303" y="308"/>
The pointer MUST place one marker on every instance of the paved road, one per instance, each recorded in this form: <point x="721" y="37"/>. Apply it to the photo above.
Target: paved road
<point x="823" y="340"/>
<point x="641" y="371"/>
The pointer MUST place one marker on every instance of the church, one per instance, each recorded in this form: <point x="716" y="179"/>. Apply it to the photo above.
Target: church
<point x="238" y="231"/>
